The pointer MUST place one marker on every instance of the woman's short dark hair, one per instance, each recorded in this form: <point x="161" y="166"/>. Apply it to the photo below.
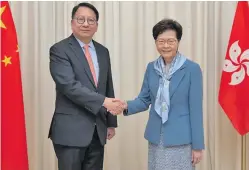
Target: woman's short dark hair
<point x="88" y="5"/>
<point x="167" y="24"/>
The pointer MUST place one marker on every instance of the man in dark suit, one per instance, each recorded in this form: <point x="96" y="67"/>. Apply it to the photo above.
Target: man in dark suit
<point x="81" y="70"/>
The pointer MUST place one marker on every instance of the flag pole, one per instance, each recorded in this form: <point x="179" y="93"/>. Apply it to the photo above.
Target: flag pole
<point x="243" y="153"/>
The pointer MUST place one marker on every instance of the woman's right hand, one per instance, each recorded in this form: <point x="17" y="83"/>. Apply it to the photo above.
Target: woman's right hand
<point x="123" y="105"/>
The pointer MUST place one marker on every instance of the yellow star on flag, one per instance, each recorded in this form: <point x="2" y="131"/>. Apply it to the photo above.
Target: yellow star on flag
<point x="1" y="22"/>
<point x="17" y="49"/>
<point x="6" y="60"/>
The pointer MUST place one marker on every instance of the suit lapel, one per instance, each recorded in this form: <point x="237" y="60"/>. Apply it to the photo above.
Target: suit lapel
<point x="176" y="79"/>
<point x="81" y="57"/>
<point x="155" y="83"/>
<point x="101" y="62"/>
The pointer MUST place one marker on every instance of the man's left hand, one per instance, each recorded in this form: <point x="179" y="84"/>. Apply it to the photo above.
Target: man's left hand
<point x="110" y="133"/>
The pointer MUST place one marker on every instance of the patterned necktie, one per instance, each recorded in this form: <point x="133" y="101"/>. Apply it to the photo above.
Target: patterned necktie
<point x="90" y="62"/>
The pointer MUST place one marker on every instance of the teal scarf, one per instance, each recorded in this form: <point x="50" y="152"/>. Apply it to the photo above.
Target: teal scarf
<point x="162" y="103"/>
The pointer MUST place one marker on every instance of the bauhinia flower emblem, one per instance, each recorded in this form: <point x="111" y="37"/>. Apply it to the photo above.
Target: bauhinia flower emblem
<point x="238" y="64"/>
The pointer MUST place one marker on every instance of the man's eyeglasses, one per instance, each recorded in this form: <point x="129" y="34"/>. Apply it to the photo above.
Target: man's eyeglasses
<point x="81" y="20"/>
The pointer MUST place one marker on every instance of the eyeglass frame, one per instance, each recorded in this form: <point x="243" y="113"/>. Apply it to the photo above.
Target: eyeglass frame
<point x="163" y="41"/>
<point x="84" y="20"/>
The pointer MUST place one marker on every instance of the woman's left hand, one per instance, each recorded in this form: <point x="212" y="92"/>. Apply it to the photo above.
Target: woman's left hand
<point x="196" y="156"/>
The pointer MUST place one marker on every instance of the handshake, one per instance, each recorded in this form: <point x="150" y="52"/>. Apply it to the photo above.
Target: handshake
<point x="115" y="106"/>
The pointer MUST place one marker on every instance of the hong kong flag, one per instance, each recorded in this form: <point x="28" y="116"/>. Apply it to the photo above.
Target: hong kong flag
<point x="234" y="84"/>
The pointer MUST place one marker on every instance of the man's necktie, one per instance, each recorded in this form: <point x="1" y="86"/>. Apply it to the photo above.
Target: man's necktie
<point x="90" y="62"/>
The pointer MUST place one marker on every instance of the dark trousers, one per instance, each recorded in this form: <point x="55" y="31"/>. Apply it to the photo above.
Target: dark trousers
<point x="81" y="158"/>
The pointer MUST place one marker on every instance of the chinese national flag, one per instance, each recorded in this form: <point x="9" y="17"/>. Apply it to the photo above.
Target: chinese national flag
<point x="13" y="135"/>
<point x="234" y="85"/>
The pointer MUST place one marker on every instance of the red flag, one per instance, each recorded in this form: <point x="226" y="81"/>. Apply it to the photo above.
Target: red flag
<point x="13" y="133"/>
<point x="234" y="85"/>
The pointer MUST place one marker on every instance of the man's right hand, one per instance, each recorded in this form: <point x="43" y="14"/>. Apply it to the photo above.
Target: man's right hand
<point x="114" y="106"/>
